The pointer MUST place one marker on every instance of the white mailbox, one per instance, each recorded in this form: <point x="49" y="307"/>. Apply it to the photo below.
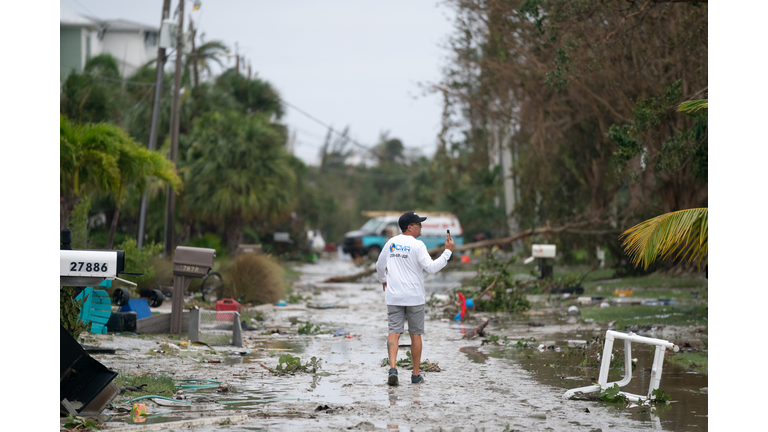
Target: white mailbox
<point x="544" y="251"/>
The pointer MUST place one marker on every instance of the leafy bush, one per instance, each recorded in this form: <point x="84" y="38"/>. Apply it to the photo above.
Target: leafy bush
<point x="211" y="241"/>
<point x="140" y="261"/>
<point x="255" y="279"/>
<point x="69" y="312"/>
<point x="78" y="223"/>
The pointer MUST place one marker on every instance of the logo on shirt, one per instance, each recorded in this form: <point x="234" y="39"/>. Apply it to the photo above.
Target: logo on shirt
<point x="394" y="247"/>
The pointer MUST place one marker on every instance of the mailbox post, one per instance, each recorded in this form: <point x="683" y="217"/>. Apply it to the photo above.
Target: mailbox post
<point x="542" y="252"/>
<point x="188" y="263"/>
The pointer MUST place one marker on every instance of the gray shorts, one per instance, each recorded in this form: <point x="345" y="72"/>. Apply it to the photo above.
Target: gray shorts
<point x="396" y="319"/>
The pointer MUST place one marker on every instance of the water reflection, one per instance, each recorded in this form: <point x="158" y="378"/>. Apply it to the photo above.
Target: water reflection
<point x="474" y="354"/>
<point x="687" y="389"/>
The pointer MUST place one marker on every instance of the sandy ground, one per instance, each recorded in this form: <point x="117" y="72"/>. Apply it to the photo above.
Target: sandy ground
<point x="494" y="395"/>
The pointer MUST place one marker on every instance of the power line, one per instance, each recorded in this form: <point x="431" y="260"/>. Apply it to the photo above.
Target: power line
<point x="316" y="120"/>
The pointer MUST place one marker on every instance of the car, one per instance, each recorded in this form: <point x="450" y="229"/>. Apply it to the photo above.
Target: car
<point x="373" y="235"/>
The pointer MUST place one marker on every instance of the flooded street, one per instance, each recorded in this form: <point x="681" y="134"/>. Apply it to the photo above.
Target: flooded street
<point x="480" y="387"/>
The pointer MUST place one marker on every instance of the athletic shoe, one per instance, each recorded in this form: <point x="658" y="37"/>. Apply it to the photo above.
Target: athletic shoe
<point x="392" y="380"/>
<point x="416" y="379"/>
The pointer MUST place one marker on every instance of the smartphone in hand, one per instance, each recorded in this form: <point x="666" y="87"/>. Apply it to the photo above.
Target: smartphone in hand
<point x="449" y="232"/>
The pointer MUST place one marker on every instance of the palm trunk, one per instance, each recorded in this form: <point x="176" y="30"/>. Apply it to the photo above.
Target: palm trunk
<point x="234" y="232"/>
<point x="66" y="205"/>
<point x="113" y="228"/>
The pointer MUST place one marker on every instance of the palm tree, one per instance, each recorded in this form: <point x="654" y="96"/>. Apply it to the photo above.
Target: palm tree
<point x="236" y="170"/>
<point x="684" y="231"/>
<point x="104" y="158"/>
<point x="201" y="58"/>
<point x="136" y="164"/>
<point x="84" y="166"/>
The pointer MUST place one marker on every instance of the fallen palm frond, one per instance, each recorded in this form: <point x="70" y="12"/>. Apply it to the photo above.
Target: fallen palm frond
<point x="684" y="231"/>
<point x="694" y="105"/>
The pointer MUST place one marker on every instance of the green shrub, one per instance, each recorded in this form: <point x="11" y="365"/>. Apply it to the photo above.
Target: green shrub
<point x="211" y="241"/>
<point x="140" y="261"/>
<point x="69" y="312"/>
<point x="78" y="223"/>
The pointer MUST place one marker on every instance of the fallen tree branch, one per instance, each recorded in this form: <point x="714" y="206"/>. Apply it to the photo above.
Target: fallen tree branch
<point x="350" y="278"/>
<point x="508" y="240"/>
<point x="478" y="331"/>
<point x="489" y="287"/>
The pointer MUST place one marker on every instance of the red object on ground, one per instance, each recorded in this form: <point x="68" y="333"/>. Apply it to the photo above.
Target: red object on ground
<point x="226" y="305"/>
<point x="465" y="259"/>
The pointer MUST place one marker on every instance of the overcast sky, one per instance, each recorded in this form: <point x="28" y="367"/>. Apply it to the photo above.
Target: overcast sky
<point x="347" y="63"/>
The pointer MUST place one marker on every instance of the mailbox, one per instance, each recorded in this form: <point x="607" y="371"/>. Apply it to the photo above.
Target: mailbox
<point x="192" y="261"/>
<point x="543" y="251"/>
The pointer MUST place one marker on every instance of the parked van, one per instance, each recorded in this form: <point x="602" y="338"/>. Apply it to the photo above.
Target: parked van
<point x="371" y="237"/>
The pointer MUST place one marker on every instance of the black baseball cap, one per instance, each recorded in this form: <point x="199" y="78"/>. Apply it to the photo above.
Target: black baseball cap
<point x="409" y="218"/>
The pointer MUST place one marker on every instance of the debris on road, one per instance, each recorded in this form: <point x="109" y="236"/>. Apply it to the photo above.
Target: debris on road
<point x="476" y="332"/>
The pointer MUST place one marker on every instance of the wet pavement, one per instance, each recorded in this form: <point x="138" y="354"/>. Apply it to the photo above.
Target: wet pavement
<point x="479" y="388"/>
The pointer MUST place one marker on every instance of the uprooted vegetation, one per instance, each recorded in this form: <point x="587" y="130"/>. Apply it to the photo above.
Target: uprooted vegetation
<point x="288" y="364"/>
<point x="407" y="363"/>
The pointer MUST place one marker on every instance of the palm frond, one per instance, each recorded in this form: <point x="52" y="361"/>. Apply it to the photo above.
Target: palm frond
<point x="684" y="231"/>
<point x="694" y="105"/>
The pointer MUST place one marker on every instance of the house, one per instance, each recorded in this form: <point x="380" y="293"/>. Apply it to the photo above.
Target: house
<point x="79" y="40"/>
<point x="132" y="44"/>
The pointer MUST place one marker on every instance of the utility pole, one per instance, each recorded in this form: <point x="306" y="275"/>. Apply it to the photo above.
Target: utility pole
<point x="155" y="113"/>
<point x="170" y="197"/>
<point x="237" y="60"/>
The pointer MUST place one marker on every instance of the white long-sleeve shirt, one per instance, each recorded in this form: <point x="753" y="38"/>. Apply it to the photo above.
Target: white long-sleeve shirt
<point x="404" y="257"/>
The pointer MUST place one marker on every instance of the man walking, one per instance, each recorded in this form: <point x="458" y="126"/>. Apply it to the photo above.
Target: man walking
<point x="403" y="258"/>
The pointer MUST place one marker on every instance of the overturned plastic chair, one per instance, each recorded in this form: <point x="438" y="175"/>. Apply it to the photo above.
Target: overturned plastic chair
<point x="96" y="309"/>
<point x="602" y="381"/>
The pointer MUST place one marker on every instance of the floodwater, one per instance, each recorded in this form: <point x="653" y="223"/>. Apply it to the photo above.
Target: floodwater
<point x="480" y="387"/>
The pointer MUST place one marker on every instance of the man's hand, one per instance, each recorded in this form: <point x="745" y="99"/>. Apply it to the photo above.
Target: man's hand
<point x="384" y="285"/>
<point x="449" y="243"/>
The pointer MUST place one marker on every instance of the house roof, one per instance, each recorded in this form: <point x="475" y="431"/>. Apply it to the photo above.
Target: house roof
<point x="128" y="26"/>
<point x="69" y="18"/>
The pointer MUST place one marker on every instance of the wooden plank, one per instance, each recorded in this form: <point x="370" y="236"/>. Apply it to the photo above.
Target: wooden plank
<point x="161" y="324"/>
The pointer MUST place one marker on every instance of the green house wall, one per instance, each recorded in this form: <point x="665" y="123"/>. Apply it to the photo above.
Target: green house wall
<point x="71" y="53"/>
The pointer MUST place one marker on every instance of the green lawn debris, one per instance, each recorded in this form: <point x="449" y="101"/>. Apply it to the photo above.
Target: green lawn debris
<point x="288" y="364"/>
<point x="407" y="363"/>
<point x="144" y="384"/>
<point x="698" y="361"/>
<point x="647" y="315"/>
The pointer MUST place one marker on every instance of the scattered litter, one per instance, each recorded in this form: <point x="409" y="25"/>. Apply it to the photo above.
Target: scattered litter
<point x="350" y="336"/>
<point x="213" y="361"/>
<point x="576" y="343"/>
<point x="325" y="306"/>
<point x="281" y="303"/>
<point x="605" y="304"/>
<point x="126" y="334"/>
<point x="622" y="293"/>
<point x="535" y="324"/>
<point x="139" y="412"/>
<point x="573" y="310"/>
